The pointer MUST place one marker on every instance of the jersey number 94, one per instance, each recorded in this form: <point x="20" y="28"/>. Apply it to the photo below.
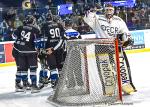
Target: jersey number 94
<point x="25" y="36"/>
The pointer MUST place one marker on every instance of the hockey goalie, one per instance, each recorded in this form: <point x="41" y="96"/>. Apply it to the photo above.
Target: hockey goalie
<point x="111" y="26"/>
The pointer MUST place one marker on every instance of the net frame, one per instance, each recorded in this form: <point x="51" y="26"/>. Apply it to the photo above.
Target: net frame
<point x="53" y="98"/>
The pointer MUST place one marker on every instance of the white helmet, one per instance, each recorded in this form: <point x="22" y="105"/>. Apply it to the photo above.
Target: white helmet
<point x="109" y="10"/>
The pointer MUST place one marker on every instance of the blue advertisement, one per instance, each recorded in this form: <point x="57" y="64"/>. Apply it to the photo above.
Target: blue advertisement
<point x="1" y="47"/>
<point x="138" y="37"/>
<point x="64" y="9"/>
<point x="126" y="3"/>
<point x="2" y="58"/>
<point x="2" y="54"/>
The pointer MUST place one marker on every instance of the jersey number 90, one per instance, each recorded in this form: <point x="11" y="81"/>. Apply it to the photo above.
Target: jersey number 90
<point x="54" y="32"/>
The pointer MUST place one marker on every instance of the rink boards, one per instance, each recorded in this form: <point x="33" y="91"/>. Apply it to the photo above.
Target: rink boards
<point x="141" y="44"/>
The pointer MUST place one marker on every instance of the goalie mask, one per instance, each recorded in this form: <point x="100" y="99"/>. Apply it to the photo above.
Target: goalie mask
<point x="109" y="11"/>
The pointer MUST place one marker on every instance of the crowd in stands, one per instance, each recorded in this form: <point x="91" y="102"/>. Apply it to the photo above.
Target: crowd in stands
<point x="137" y="17"/>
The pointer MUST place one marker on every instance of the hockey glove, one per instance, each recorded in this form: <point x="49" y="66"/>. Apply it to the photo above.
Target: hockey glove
<point x="129" y="42"/>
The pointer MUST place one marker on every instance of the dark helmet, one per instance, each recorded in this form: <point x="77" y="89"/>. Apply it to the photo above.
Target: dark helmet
<point x="49" y="17"/>
<point x="29" y="19"/>
<point x="56" y="18"/>
<point x="68" y="22"/>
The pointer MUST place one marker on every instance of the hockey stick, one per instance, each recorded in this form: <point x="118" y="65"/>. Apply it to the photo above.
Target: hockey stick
<point x="127" y="83"/>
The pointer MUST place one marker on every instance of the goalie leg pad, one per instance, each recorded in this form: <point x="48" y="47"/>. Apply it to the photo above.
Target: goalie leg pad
<point x="104" y="72"/>
<point x="129" y="70"/>
<point x="107" y="74"/>
<point x="125" y="76"/>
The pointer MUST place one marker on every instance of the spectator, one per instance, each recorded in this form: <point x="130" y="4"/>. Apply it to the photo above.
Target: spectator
<point x="17" y="23"/>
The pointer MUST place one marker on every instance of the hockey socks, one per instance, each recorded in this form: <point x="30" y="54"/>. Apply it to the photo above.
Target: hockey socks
<point x="54" y="74"/>
<point x="43" y="73"/>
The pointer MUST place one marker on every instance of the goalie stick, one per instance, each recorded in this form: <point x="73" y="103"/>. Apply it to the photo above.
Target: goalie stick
<point x="127" y="84"/>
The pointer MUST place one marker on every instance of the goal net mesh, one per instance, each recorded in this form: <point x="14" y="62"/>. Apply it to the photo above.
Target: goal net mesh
<point x="89" y="74"/>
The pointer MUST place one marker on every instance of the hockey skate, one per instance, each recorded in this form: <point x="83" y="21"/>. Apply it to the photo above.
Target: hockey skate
<point x="35" y="88"/>
<point x="43" y="82"/>
<point x="54" y="83"/>
<point x="26" y="85"/>
<point x="19" y="87"/>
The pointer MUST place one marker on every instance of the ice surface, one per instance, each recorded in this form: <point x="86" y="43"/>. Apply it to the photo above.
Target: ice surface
<point x="140" y="63"/>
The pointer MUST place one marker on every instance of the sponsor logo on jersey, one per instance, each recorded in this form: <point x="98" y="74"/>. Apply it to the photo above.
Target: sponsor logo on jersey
<point x="110" y="30"/>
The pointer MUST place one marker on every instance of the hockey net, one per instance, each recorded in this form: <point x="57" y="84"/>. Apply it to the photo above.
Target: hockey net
<point x="90" y="74"/>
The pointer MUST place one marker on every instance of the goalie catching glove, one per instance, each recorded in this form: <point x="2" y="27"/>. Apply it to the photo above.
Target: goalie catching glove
<point x="125" y="43"/>
<point x="129" y="42"/>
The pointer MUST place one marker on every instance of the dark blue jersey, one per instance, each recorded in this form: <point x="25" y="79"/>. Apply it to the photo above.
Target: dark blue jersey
<point x="54" y="32"/>
<point x="25" y="38"/>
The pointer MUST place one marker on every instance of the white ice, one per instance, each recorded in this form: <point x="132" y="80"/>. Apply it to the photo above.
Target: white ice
<point x="140" y="63"/>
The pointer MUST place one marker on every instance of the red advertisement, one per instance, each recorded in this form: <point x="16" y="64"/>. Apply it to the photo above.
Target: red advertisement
<point x="8" y="52"/>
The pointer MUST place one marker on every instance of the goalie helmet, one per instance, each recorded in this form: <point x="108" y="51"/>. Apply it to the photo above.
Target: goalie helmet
<point x="109" y="10"/>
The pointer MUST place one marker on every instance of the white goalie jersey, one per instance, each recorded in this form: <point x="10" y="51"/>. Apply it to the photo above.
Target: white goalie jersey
<point x="111" y="28"/>
<point x="106" y="28"/>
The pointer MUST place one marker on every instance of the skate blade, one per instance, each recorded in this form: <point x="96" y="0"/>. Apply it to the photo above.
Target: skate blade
<point x="19" y="90"/>
<point x="35" y="91"/>
<point x="28" y="88"/>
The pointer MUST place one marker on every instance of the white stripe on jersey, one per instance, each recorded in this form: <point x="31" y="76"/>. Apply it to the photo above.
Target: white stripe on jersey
<point x="59" y="44"/>
<point x="24" y="51"/>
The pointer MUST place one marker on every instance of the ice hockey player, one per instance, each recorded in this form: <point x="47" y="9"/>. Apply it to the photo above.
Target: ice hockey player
<point x="109" y="26"/>
<point x="54" y="33"/>
<point x="75" y="76"/>
<point x="25" y="55"/>
<point x="70" y="33"/>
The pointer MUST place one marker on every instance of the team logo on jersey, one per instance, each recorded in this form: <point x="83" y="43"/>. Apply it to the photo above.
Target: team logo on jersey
<point x="110" y="30"/>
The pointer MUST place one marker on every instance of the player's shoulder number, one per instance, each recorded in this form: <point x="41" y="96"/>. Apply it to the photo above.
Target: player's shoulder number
<point x="25" y="35"/>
